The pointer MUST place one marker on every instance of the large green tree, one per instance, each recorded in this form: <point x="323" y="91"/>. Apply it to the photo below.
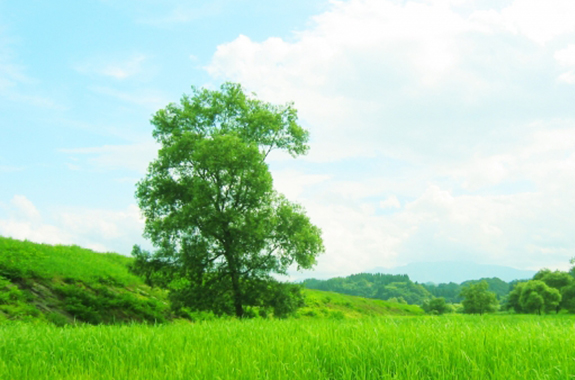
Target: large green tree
<point x="477" y="299"/>
<point x="537" y="297"/>
<point x="220" y="229"/>
<point x="554" y="279"/>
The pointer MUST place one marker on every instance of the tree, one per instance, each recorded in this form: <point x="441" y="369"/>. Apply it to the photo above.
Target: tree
<point x="568" y="298"/>
<point x="536" y="297"/>
<point x="219" y="228"/>
<point x="437" y="305"/>
<point x="563" y="282"/>
<point x="514" y="296"/>
<point x="556" y="279"/>
<point x="477" y="299"/>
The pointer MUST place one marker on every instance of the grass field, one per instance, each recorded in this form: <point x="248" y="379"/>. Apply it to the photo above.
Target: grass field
<point x="447" y="347"/>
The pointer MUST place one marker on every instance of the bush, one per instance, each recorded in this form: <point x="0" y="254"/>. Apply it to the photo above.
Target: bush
<point x="437" y="306"/>
<point x="98" y="304"/>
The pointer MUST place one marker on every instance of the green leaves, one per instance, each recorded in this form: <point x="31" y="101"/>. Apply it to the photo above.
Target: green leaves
<point x="231" y="111"/>
<point x="534" y="297"/>
<point x="208" y="198"/>
<point x="478" y="300"/>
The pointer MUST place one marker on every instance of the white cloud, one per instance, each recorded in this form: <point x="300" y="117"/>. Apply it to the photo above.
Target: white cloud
<point x="566" y="57"/>
<point x="101" y="230"/>
<point x="373" y="77"/>
<point x="454" y="109"/>
<point x="24" y="222"/>
<point x="390" y="202"/>
<point x="292" y="183"/>
<point x="134" y="157"/>
<point x="25" y="208"/>
<point x="541" y="21"/>
<point x="567" y="77"/>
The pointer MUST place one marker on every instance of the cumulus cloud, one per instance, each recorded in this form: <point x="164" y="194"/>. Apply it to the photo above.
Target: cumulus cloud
<point x="451" y="106"/>
<point x="134" y="157"/>
<point x="390" y="202"/>
<point x="540" y="21"/>
<point x="101" y="230"/>
<point x="566" y="57"/>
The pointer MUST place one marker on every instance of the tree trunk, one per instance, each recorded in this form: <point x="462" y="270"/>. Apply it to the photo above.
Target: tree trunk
<point x="237" y="294"/>
<point x="236" y="289"/>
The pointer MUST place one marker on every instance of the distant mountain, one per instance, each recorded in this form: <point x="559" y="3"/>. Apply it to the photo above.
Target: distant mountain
<point x="453" y="271"/>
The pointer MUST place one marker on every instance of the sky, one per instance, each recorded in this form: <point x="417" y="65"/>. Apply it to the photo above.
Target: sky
<point x="440" y="130"/>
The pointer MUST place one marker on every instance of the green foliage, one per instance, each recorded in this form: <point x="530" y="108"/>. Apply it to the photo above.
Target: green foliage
<point x="412" y="293"/>
<point x="568" y="298"/>
<point x="514" y="297"/>
<point x="99" y="304"/>
<point x="478" y="300"/>
<point x="554" y="279"/>
<point x="448" y="291"/>
<point x="548" y="291"/>
<point x="14" y="302"/>
<point x="451" y="291"/>
<point x="379" y="286"/>
<point x="536" y="297"/>
<point x="437" y="306"/>
<point x="388" y="287"/>
<point x="210" y="208"/>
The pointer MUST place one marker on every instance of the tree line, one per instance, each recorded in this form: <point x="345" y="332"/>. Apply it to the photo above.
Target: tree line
<point x="400" y="288"/>
<point x="547" y="292"/>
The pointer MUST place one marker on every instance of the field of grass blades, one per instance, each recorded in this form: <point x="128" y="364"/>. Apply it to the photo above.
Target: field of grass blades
<point x="452" y="347"/>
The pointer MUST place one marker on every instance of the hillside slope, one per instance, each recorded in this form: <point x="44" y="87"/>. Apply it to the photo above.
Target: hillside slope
<point x="63" y="284"/>
<point x="320" y="303"/>
<point x="68" y="284"/>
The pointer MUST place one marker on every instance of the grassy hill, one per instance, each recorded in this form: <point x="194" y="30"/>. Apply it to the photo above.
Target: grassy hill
<point x="63" y="284"/>
<point x="320" y="303"/>
<point x="67" y="284"/>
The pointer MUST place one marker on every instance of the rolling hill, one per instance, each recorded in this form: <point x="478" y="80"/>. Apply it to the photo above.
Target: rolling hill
<point x="69" y="284"/>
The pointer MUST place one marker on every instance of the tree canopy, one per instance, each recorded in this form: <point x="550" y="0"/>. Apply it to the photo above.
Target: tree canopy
<point x="477" y="299"/>
<point x="374" y="285"/>
<point x="211" y="212"/>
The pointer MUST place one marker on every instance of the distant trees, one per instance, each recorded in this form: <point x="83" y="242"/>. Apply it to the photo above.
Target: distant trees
<point x="478" y="300"/>
<point x="534" y="297"/>
<point x="548" y="291"/>
<point x="437" y="306"/>
<point x="451" y="291"/>
<point x="379" y="286"/>
<point x="400" y="287"/>
<point x="411" y="292"/>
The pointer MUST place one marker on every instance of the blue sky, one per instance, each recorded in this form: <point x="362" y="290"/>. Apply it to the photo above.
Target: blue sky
<point x="441" y="129"/>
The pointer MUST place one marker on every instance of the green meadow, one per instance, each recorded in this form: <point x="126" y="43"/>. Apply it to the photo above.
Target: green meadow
<point x="70" y="313"/>
<point x="444" y="347"/>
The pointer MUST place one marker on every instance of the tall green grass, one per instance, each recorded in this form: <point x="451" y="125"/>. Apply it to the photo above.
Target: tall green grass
<point x="454" y="347"/>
